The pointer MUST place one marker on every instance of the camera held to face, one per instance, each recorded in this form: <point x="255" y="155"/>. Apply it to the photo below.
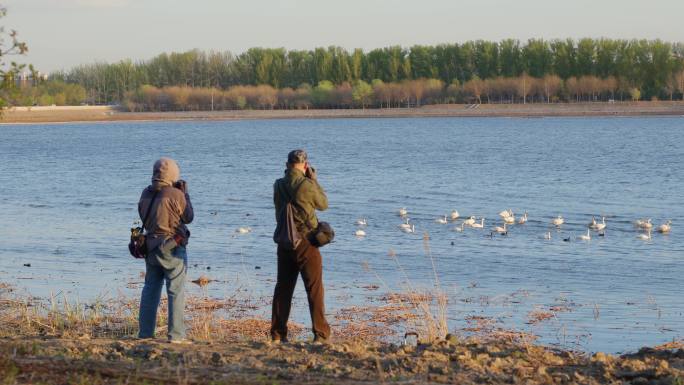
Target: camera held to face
<point x="181" y="185"/>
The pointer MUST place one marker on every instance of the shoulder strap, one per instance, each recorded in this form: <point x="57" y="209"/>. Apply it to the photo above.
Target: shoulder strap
<point x="149" y="208"/>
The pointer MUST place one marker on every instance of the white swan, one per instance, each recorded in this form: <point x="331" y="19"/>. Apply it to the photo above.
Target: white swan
<point x="600" y="226"/>
<point x="509" y="219"/>
<point x="585" y="237"/>
<point x="506" y="213"/>
<point x="645" y="237"/>
<point x="459" y="229"/>
<point x="411" y="229"/>
<point x="405" y="225"/>
<point x="593" y="222"/>
<point x="523" y="219"/>
<point x="362" y="222"/>
<point x="442" y="221"/>
<point x="403" y="212"/>
<point x="469" y="221"/>
<point x="478" y="225"/>
<point x="455" y="215"/>
<point x="547" y="235"/>
<point x="360" y="233"/>
<point x="558" y="221"/>
<point x="500" y="230"/>
<point x="665" y="227"/>
<point x="643" y="223"/>
<point x="647" y="225"/>
<point x="243" y="230"/>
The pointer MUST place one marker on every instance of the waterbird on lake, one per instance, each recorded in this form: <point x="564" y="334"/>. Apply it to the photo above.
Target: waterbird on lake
<point x="442" y="221"/>
<point x="645" y="237"/>
<point x="585" y="237"/>
<point x="360" y="233"/>
<point x="558" y="221"/>
<point x="403" y="212"/>
<point x="592" y="224"/>
<point x="568" y="239"/>
<point x="405" y="225"/>
<point x="523" y="219"/>
<point x="599" y="226"/>
<point x="644" y="224"/>
<point x="665" y="227"/>
<point x="362" y="222"/>
<point x="506" y="213"/>
<point x="411" y="229"/>
<point x="243" y="230"/>
<point x="459" y="229"/>
<point x="478" y="225"/>
<point x="500" y="230"/>
<point x="547" y="235"/>
<point x="509" y="219"/>
<point x="455" y="215"/>
<point x="469" y="221"/>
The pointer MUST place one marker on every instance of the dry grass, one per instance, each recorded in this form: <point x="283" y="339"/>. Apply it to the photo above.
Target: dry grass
<point x="208" y="319"/>
<point x="536" y="316"/>
<point x="86" y="348"/>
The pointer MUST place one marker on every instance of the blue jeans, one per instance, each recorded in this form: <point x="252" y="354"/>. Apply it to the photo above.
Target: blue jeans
<point x="170" y="267"/>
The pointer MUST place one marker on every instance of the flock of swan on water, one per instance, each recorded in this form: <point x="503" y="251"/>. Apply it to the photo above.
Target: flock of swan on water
<point x="644" y="225"/>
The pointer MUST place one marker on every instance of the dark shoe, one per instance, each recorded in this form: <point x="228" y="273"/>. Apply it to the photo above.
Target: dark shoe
<point x="278" y="341"/>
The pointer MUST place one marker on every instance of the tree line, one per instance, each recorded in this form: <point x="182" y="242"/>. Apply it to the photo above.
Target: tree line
<point x="378" y="94"/>
<point x="648" y="66"/>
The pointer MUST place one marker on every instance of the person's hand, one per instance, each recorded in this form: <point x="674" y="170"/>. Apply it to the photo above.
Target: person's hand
<point x="311" y="173"/>
<point x="181" y="185"/>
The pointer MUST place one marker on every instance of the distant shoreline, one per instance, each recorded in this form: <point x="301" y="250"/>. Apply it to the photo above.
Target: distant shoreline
<point x="73" y="114"/>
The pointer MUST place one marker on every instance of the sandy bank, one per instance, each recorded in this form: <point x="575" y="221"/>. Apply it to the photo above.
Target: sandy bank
<point x="57" y="342"/>
<point x="30" y="360"/>
<point x="101" y="113"/>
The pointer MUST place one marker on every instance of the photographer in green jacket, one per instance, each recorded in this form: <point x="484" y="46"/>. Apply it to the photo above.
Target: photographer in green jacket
<point x="300" y="182"/>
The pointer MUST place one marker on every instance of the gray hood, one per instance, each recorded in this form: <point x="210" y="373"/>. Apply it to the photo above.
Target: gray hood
<point x="165" y="173"/>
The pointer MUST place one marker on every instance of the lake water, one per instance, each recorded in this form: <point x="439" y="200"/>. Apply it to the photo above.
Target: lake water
<point x="69" y="194"/>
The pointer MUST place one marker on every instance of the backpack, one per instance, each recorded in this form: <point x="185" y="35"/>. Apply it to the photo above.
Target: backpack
<point x="286" y="234"/>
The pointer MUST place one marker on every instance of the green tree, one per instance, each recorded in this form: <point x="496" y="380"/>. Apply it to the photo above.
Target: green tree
<point x="13" y="47"/>
<point x="322" y="94"/>
<point x="537" y="57"/>
<point x="510" y="58"/>
<point x="486" y="59"/>
<point x="362" y="93"/>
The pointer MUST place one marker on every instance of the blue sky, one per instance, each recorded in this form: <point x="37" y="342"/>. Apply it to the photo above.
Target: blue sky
<point x="64" y="33"/>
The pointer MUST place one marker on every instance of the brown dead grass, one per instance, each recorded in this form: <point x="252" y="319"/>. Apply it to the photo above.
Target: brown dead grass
<point x="61" y="342"/>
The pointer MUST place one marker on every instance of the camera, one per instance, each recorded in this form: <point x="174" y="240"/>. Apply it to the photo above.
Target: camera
<point x="181" y="185"/>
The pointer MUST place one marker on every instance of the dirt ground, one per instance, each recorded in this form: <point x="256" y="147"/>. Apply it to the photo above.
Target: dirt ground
<point x="104" y="114"/>
<point x="45" y="360"/>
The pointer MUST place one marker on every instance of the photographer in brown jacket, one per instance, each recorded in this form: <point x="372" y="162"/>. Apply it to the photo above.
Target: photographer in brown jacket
<point x="170" y="210"/>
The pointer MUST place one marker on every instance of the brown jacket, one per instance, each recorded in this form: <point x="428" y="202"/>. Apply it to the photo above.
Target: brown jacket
<point x="308" y="197"/>
<point x="171" y="210"/>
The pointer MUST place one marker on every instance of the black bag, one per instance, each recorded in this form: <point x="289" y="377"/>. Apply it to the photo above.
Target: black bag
<point x="138" y="245"/>
<point x="323" y="235"/>
<point x="286" y="234"/>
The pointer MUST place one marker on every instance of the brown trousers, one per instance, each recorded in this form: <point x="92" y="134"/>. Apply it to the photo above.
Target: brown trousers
<point x="305" y="259"/>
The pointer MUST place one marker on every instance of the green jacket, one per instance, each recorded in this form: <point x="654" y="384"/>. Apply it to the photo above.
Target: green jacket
<point x="309" y="197"/>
